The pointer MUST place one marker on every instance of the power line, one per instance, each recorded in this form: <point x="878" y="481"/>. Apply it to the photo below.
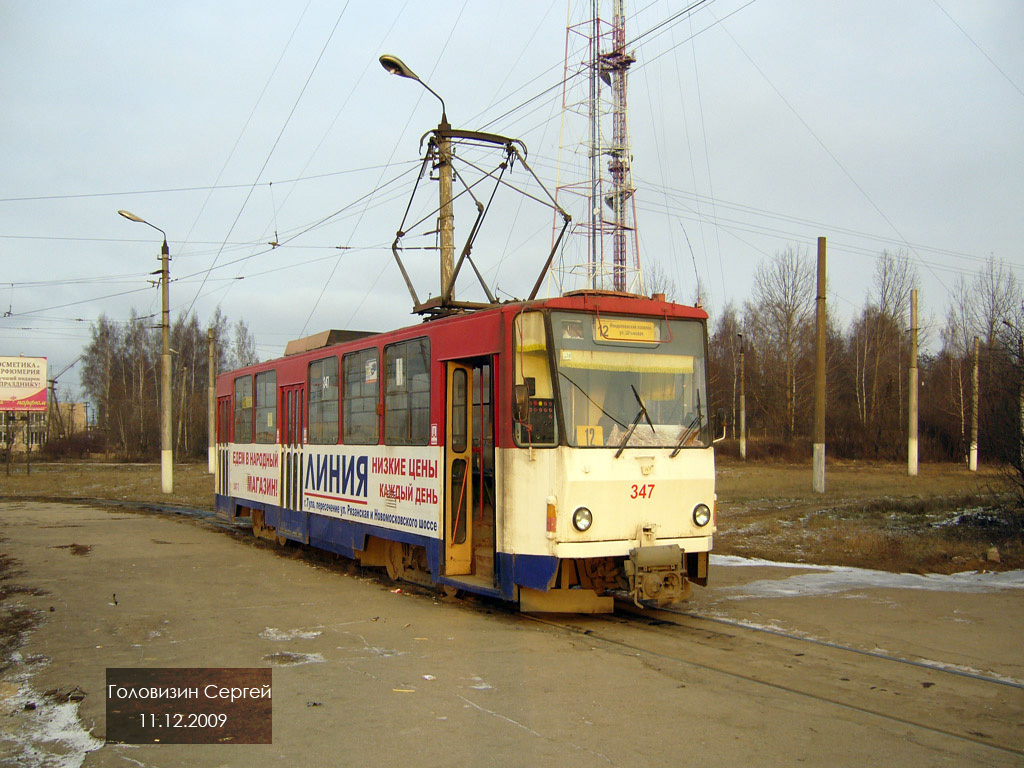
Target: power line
<point x="323" y="289"/>
<point x="277" y="140"/>
<point x="829" y="152"/>
<point x="821" y="226"/>
<point x="337" y="115"/>
<point x="248" y="120"/>
<point x="980" y="49"/>
<point x="197" y="188"/>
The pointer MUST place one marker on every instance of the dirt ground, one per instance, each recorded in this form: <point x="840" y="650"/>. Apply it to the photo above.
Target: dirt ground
<point x="367" y="673"/>
<point x="872" y="515"/>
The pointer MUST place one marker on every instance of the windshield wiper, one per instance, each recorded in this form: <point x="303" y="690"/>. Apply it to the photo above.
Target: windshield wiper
<point x="592" y="400"/>
<point x="694" y="425"/>
<point x="636" y="420"/>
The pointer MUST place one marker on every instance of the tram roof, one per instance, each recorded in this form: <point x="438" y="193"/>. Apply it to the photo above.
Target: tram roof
<point x="610" y="302"/>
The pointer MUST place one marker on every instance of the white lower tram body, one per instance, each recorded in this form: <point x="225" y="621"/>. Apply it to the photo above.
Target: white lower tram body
<point x="642" y="535"/>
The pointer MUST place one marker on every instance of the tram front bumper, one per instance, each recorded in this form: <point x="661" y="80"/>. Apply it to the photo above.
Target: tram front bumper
<point x="656" y="573"/>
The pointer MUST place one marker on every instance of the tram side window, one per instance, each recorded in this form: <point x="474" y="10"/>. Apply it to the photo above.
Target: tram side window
<point x="362" y="394"/>
<point x="323" y="401"/>
<point x="243" y="409"/>
<point x="407" y="396"/>
<point x="533" y="370"/>
<point x="224" y="413"/>
<point x="266" y="407"/>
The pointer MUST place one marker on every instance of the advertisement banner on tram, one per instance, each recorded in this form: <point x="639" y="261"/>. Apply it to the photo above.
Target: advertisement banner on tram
<point x="389" y="486"/>
<point x="254" y="473"/>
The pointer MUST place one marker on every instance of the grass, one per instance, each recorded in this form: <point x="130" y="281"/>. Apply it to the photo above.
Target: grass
<point x="193" y="486"/>
<point x="872" y="514"/>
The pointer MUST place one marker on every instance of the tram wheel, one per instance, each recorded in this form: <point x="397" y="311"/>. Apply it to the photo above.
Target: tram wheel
<point x="258" y="527"/>
<point x="449" y="590"/>
<point x="394" y="560"/>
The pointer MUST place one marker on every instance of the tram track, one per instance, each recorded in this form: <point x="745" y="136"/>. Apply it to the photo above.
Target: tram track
<point x="966" y="707"/>
<point x="658" y="614"/>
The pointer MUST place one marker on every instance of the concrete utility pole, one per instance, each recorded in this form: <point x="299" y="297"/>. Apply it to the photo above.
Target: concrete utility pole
<point x="972" y="457"/>
<point x="743" y="405"/>
<point x="447" y="222"/>
<point x="166" y="449"/>
<point x="912" y="405"/>
<point x="819" y="376"/>
<point x="1020" y="389"/>
<point x="211" y="408"/>
<point x="1020" y="362"/>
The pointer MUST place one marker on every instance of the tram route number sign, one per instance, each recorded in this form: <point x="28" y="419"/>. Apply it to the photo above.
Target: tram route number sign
<point x="625" y="330"/>
<point x="189" y="706"/>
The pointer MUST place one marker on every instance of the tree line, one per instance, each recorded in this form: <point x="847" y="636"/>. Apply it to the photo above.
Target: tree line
<point x="868" y="363"/>
<point x="867" y="368"/>
<point x="121" y="377"/>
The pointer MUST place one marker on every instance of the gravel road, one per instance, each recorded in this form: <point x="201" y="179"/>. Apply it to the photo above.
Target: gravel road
<point x="367" y="673"/>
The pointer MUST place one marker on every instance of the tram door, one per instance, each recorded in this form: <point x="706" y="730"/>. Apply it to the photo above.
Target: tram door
<point x="292" y="423"/>
<point x="458" y="471"/>
<point x="224" y="414"/>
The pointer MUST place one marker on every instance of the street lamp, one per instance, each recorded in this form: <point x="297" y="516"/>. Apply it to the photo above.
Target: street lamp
<point x="166" y="452"/>
<point x="396" y="66"/>
<point x="446" y="225"/>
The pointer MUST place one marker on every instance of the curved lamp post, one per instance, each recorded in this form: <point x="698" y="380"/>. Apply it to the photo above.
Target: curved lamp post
<point x="446" y="225"/>
<point x="166" y="452"/>
<point x="396" y="66"/>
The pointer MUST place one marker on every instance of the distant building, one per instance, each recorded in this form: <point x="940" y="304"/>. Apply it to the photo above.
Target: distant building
<point x="64" y="420"/>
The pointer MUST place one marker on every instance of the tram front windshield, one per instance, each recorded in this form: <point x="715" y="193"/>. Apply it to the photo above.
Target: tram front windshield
<point x="639" y="377"/>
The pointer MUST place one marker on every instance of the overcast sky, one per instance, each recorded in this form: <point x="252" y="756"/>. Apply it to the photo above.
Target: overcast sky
<point x="756" y="126"/>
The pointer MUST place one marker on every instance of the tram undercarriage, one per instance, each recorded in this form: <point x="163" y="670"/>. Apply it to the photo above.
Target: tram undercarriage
<point x="657" y="574"/>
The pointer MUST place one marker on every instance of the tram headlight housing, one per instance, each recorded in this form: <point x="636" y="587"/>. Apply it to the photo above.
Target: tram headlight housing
<point x="582" y="519"/>
<point x="701" y="515"/>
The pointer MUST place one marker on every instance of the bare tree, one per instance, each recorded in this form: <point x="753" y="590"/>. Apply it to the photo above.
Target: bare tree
<point x="243" y="347"/>
<point x="121" y="376"/>
<point x="995" y="297"/>
<point x="877" y="341"/>
<point x="782" y="306"/>
<point x="657" y="280"/>
<point x="724" y="362"/>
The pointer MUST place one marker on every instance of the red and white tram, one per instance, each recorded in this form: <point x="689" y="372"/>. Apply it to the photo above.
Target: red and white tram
<point x="547" y="452"/>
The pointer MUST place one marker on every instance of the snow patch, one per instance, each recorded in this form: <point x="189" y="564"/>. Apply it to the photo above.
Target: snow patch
<point x="286" y="659"/>
<point x="48" y="735"/>
<point x="281" y="635"/>
<point x="832" y="579"/>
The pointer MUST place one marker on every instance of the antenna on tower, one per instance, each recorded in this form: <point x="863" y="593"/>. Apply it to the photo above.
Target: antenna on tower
<point x="597" y="48"/>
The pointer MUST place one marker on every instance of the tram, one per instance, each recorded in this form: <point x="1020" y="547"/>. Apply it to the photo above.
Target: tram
<point x="549" y="453"/>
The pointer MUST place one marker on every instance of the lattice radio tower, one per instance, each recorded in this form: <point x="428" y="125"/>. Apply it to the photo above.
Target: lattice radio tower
<point x="595" y="52"/>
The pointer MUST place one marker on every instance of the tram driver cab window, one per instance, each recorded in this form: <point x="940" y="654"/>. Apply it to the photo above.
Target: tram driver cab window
<point x="533" y="406"/>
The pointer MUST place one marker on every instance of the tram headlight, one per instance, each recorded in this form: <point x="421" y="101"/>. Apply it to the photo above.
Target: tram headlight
<point x="701" y="515"/>
<point x="582" y="519"/>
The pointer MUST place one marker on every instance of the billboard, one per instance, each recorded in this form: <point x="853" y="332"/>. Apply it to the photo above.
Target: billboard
<point x="23" y="384"/>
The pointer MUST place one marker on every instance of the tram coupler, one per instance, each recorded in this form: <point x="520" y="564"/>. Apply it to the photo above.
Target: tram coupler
<point x="656" y="573"/>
